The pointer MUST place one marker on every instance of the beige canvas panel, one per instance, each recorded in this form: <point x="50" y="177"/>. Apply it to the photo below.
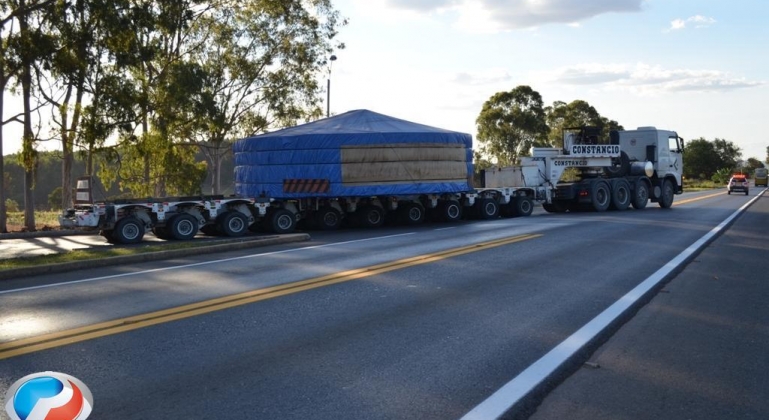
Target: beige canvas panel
<point x="402" y="171"/>
<point x="420" y="152"/>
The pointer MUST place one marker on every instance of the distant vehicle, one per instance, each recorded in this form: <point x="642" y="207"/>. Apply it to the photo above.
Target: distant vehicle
<point x="738" y="182"/>
<point x="761" y="177"/>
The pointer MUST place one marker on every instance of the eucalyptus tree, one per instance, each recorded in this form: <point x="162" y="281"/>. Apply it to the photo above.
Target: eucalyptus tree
<point x="32" y="46"/>
<point x="577" y="113"/>
<point x="260" y="63"/>
<point x="510" y="123"/>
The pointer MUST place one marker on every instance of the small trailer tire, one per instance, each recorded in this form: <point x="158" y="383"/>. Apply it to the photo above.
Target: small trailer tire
<point x="327" y="218"/>
<point x="183" y="227"/>
<point x="129" y="230"/>
<point x="487" y="209"/>
<point x="412" y="213"/>
<point x="371" y="216"/>
<point x="522" y="206"/>
<point x="232" y="224"/>
<point x="282" y="221"/>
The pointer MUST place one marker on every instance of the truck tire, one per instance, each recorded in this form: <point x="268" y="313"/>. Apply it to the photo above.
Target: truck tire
<point x="281" y="221"/>
<point x="522" y="206"/>
<point x="128" y="230"/>
<point x="371" y="216"/>
<point x="327" y="218"/>
<point x="183" y="227"/>
<point x="232" y="224"/>
<point x="449" y="211"/>
<point x="413" y="213"/>
<point x="620" y="195"/>
<point x="666" y="197"/>
<point x="601" y="197"/>
<point x="640" y="195"/>
<point x="487" y="209"/>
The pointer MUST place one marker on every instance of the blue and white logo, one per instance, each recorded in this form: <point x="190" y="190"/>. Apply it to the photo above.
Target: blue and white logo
<point x="48" y="396"/>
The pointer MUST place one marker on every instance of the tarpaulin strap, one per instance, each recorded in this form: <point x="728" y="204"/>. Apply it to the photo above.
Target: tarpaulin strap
<point x="306" y="185"/>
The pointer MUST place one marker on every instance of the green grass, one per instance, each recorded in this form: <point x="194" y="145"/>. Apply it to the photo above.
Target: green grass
<point x="91" y="254"/>
<point x="698" y="185"/>
<point x="43" y="220"/>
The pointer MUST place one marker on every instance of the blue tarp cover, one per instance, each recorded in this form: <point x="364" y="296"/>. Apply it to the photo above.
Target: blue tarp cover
<point x="313" y="151"/>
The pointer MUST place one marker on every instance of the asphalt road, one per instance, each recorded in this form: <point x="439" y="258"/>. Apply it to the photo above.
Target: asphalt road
<point x="430" y="338"/>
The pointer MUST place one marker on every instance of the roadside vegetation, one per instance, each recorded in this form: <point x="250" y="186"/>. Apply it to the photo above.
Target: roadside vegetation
<point x="92" y="254"/>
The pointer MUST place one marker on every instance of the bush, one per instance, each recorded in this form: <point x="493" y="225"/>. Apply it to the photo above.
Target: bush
<point x="11" y="205"/>
<point x="54" y="199"/>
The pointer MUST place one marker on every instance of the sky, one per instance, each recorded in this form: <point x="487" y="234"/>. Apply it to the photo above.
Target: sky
<point x="699" y="67"/>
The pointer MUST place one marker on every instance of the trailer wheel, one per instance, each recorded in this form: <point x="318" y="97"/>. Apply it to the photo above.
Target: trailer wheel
<point x="129" y="230"/>
<point x="413" y="213"/>
<point x="666" y="198"/>
<point x="371" y="216"/>
<point x="641" y="195"/>
<point x="601" y="196"/>
<point x="232" y="224"/>
<point x="522" y="206"/>
<point x="620" y="195"/>
<point x="282" y="221"/>
<point x="487" y="208"/>
<point x="327" y="218"/>
<point x="449" y="211"/>
<point x="183" y="227"/>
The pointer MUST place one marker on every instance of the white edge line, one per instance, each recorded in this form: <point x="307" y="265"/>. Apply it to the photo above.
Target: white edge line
<point x="176" y="267"/>
<point x="446" y="228"/>
<point x="515" y="390"/>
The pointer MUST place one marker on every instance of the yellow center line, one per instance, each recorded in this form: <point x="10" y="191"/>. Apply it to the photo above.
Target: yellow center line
<point x="698" y="198"/>
<point x="102" y="329"/>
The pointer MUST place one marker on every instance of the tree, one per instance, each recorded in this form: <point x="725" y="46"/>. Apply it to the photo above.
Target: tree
<point x="701" y="159"/>
<point x="728" y="153"/>
<point x="510" y="123"/>
<point x="767" y="154"/>
<point x="244" y="91"/>
<point x="577" y="113"/>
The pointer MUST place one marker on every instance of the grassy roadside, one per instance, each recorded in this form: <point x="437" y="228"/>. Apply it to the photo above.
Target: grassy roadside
<point x="92" y="254"/>
<point x="44" y="220"/>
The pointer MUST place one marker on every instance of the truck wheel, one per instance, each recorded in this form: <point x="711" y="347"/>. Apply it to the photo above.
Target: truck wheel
<point x="232" y="224"/>
<point x="413" y="214"/>
<point x="666" y="198"/>
<point x="620" y="195"/>
<point x="282" y="221"/>
<point x="371" y="216"/>
<point x="129" y="230"/>
<point x="183" y="227"/>
<point x="488" y="208"/>
<point x="327" y="218"/>
<point x="449" y="211"/>
<point x="641" y="195"/>
<point x="601" y="196"/>
<point x="161" y="233"/>
<point x="522" y="206"/>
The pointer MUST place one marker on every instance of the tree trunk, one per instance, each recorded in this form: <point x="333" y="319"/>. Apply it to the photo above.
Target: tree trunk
<point x="28" y="150"/>
<point x="3" y="210"/>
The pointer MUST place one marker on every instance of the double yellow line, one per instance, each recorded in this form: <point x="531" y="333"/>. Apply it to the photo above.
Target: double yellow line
<point x="102" y="329"/>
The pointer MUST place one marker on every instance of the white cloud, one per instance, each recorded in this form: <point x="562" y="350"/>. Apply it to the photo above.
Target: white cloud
<point x="698" y="21"/>
<point x="496" y="15"/>
<point x="645" y="79"/>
